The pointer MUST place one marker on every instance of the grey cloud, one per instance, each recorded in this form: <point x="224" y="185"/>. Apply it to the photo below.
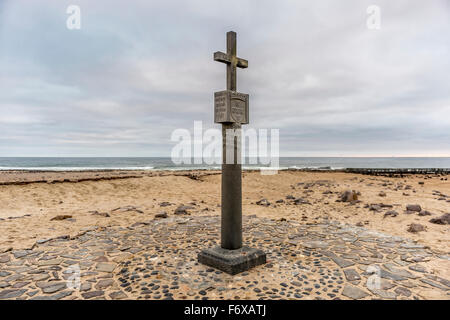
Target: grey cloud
<point x="136" y="71"/>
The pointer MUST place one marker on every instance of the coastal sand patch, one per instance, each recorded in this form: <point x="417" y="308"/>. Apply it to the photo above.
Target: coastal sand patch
<point x="33" y="205"/>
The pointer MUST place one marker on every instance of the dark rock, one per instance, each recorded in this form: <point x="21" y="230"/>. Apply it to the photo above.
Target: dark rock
<point x="164" y="204"/>
<point x="102" y="214"/>
<point x="161" y="215"/>
<point x="183" y="210"/>
<point x="61" y="217"/>
<point x="138" y="224"/>
<point x="390" y="213"/>
<point x="413" y="208"/>
<point x="127" y="209"/>
<point x="301" y="201"/>
<point x="415" y="227"/>
<point x="263" y="202"/>
<point x="444" y="219"/>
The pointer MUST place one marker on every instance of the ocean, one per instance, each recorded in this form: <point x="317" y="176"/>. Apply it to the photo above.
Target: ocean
<point x="154" y="163"/>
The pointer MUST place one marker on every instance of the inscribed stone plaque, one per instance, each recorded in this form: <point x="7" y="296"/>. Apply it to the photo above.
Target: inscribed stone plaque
<point x="230" y="106"/>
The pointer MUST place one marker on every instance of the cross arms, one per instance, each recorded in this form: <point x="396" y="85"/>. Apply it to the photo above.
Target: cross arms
<point x="225" y="58"/>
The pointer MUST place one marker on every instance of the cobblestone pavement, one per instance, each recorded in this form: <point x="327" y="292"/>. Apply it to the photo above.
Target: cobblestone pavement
<point x="157" y="260"/>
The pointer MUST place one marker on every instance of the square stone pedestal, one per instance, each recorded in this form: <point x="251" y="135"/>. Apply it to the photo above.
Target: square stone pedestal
<point x="232" y="261"/>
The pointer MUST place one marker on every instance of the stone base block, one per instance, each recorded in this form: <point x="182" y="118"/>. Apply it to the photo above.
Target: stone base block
<point x="232" y="261"/>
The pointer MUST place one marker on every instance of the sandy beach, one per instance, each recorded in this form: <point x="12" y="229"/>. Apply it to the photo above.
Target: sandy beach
<point x="155" y="222"/>
<point x="30" y="200"/>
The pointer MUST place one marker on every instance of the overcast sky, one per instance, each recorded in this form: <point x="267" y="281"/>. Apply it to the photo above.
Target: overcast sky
<point x="137" y="70"/>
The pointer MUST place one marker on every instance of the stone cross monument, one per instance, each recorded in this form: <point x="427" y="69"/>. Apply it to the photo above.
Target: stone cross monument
<point x="231" y="110"/>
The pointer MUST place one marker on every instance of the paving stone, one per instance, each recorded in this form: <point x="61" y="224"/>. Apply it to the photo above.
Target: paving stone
<point x="316" y="244"/>
<point x="105" y="267"/>
<point x="92" y="294"/>
<point x="354" y="292"/>
<point x="402" y="291"/>
<point x="62" y="294"/>
<point x="51" y="262"/>
<point x="391" y="276"/>
<point x="85" y="286"/>
<point x="14" y="277"/>
<point x="351" y="274"/>
<point x="51" y="286"/>
<point x="20" y="284"/>
<point x="339" y="261"/>
<point x="443" y="281"/>
<point x="32" y="293"/>
<point x="41" y="277"/>
<point x="117" y="295"/>
<point x="21" y="253"/>
<point x="434" y="284"/>
<point x="11" y="293"/>
<point x="418" y="268"/>
<point x="384" y="294"/>
<point x="386" y="284"/>
<point x="105" y="283"/>
<point x="398" y="271"/>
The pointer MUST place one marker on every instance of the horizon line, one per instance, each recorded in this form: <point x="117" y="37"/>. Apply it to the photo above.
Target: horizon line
<point x="351" y="156"/>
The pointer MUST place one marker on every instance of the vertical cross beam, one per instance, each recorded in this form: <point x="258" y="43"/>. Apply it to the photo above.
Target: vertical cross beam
<point x="231" y="67"/>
